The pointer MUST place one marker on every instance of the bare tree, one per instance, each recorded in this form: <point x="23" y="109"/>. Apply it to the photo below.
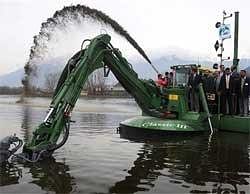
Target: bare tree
<point x="51" y="81"/>
<point x="90" y="84"/>
<point x="96" y="83"/>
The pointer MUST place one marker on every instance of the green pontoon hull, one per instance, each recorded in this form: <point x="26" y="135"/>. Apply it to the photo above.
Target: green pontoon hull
<point x="153" y="124"/>
<point x="231" y="123"/>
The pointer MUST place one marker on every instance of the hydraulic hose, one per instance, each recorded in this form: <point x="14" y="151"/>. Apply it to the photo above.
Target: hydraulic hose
<point x="65" y="137"/>
<point x="21" y="156"/>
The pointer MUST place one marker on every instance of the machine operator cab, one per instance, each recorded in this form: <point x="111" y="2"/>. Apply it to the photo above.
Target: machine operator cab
<point x="177" y="94"/>
<point x="181" y="74"/>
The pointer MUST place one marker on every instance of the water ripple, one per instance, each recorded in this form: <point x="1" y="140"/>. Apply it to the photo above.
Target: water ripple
<point x="96" y="160"/>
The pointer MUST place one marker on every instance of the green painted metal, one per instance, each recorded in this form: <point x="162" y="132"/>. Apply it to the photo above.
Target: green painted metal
<point x="203" y="100"/>
<point x="231" y="123"/>
<point x="219" y="121"/>
<point x="180" y="104"/>
<point x="194" y="123"/>
<point x="48" y="132"/>
<point x="98" y="54"/>
<point x="183" y="120"/>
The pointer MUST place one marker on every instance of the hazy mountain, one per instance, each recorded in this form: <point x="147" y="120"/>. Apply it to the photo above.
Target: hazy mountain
<point x="163" y="64"/>
<point x="143" y="69"/>
<point x="42" y="72"/>
<point x="245" y="63"/>
<point x="12" y="79"/>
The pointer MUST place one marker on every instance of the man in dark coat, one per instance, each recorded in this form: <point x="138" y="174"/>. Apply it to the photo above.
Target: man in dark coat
<point x="244" y="93"/>
<point x="193" y="84"/>
<point x="225" y="90"/>
<point x="209" y="85"/>
<point x="235" y="90"/>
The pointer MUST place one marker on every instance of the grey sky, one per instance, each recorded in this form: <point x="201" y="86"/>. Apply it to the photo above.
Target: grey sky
<point x="157" y="25"/>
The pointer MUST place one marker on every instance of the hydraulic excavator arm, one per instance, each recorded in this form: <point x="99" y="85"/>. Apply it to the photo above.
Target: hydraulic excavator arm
<point x="99" y="53"/>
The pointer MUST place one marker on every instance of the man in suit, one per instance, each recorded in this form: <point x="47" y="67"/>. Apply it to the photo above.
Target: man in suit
<point x="225" y="91"/>
<point x="193" y="84"/>
<point x="244" y="93"/>
<point x="209" y="85"/>
<point x="235" y="90"/>
<point x="222" y="70"/>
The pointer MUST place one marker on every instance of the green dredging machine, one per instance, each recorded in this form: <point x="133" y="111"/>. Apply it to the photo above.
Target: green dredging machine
<point x="53" y="132"/>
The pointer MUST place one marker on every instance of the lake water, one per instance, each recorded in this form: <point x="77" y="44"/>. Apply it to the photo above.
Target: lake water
<point x="96" y="159"/>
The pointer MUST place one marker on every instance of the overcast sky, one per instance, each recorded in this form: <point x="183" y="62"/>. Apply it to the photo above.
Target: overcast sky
<point x="157" y="25"/>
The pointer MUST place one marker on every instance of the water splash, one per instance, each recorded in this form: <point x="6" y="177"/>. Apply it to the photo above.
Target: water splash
<point x="60" y="20"/>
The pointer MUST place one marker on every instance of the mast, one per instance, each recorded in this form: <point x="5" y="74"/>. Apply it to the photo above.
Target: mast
<point x="224" y="33"/>
<point x="236" y="36"/>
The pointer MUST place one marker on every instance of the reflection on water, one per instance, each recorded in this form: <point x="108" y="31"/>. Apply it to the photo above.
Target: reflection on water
<point x="182" y="161"/>
<point x="97" y="160"/>
<point x="52" y="176"/>
<point x="49" y="175"/>
<point x="25" y="125"/>
<point x="188" y="163"/>
<point x="9" y="174"/>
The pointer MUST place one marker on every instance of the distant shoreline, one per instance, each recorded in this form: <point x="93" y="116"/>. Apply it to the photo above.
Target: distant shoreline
<point x="82" y="96"/>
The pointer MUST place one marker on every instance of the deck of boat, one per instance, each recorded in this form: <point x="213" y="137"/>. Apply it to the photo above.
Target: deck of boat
<point x="231" y="123"/>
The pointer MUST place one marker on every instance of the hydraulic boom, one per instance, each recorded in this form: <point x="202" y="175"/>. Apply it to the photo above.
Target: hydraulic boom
<point x="98" y="54"/>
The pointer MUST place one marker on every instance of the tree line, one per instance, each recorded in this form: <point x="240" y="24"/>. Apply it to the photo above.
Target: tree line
<point x="96" y="85"/>
<point x="5" y="90"/>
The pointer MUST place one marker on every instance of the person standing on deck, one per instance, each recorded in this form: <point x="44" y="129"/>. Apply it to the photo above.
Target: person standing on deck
<point x="217" y="84"/>
<point x="225" y="90"/>
<point x="170" y="79"/>
<point x="166" y="78"/>
<point x="193" y="84"/>
<point x="218" y="79"/>
<point x="222" y="70"/>
<point x="235" y="91"/>
<point x="244" y="93"/>
<point x="160" y="82"/>
<point x="209" y="85"/>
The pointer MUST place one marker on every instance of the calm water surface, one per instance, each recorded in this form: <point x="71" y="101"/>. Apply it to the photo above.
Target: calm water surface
<point x="96" y="159"/>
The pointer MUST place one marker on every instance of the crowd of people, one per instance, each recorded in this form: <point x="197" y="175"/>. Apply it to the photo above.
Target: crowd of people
<point x="164" y="81"/>
<point x="226" y="88"/>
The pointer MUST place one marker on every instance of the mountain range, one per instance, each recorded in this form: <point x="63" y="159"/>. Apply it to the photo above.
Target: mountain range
<point x="143" y="69"/>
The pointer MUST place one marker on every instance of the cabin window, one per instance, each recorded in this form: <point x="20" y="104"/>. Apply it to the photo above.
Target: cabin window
<point x="181" y="77"/>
